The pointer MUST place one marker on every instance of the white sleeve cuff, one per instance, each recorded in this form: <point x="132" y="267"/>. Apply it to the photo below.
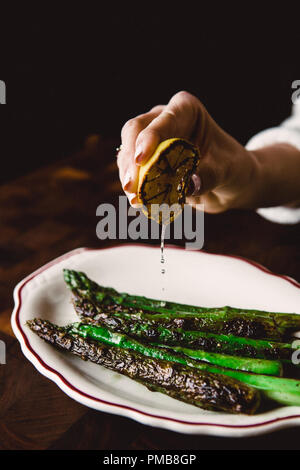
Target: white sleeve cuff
<point x="290" y="135"/>
<point x="275" y="135"/>
<point x="281" y="215"/>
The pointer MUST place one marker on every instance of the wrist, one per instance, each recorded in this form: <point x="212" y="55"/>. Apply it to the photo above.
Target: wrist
<point x="277" y="175"/>
<point x="248" y="183"/>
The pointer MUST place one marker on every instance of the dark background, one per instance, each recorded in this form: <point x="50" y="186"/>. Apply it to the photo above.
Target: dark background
<point x="69" y="75"/>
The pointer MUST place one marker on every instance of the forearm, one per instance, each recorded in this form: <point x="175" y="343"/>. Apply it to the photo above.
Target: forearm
<point x="277" y="176"/>
<point x="268" y="177"/>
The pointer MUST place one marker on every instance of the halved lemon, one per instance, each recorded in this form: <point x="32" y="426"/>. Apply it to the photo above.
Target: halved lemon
<point x="164" y="179"/>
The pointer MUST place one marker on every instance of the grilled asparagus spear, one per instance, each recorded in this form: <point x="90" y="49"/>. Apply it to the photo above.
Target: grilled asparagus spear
<point x="197" y="387"/>
<point x="226" y="320"/>
<point x="281" y="390"/>
<point x="154" y="330"/>
<point x="258" y="366"/>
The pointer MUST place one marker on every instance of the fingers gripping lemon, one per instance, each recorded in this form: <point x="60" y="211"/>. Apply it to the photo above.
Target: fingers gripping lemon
<point x="164" y="179"/>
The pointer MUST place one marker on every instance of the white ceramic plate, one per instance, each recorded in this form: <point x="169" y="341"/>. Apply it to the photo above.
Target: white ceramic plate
<point x="196" y="278"/>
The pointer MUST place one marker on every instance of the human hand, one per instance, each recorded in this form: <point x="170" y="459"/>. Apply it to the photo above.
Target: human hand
<point x="227" y="176"/>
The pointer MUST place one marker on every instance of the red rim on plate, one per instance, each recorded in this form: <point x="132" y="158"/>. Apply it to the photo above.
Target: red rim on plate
<point x="16" y="317"/>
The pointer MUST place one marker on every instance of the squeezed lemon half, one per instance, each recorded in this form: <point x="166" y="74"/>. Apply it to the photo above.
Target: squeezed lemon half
<point x="164" y="179"/>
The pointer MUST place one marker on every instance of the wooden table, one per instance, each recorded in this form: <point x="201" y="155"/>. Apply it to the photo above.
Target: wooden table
<point x="51" y="211"/>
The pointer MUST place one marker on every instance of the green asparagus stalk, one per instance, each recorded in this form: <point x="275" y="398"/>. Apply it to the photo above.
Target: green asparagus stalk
<point x="281" y="390"/>
<point x="258" y="366"/>
<point x="196" y="387"/>
<point x="225" y="320"/>
<point x="156" y="331"/>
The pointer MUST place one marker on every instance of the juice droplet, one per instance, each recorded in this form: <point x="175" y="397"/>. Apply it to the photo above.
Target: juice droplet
<point x="162" y="257"/>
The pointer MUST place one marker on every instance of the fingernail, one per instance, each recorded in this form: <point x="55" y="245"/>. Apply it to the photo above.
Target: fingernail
<point x="127" y="179"/>
<point x="133" y="200"/>
<point x="138" y="154"/>
<point x="197" y="184"/>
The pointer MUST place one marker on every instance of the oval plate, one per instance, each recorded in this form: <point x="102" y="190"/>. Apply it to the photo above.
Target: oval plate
<point x="195" y="278"/>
